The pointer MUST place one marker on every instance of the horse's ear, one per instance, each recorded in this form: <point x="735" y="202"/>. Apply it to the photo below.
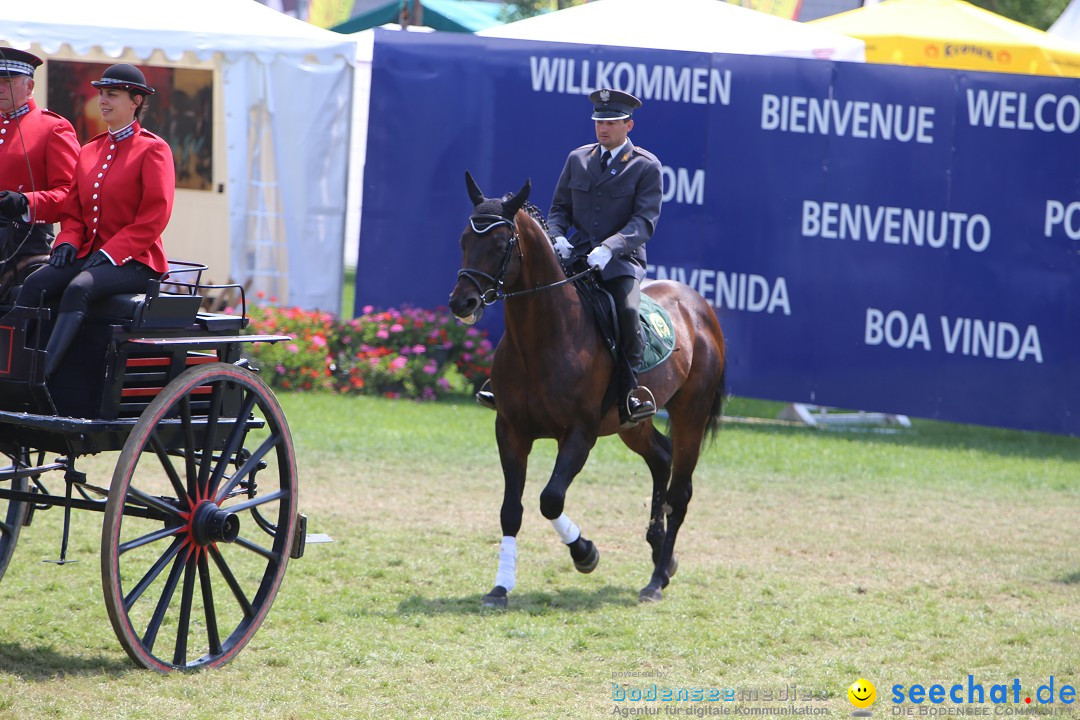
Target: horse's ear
<point x="475" y="195"/>
<point x="511" y="206"/>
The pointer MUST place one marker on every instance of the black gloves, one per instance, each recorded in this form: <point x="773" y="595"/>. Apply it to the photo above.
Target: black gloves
<point x="98" y="258"/>
<point x="62" y="254"/>
<point x="13" y="205"/>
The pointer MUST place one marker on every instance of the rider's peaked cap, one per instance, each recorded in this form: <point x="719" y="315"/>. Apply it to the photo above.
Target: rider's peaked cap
<point x="125" y="77"/>
<point x="17" y="62"/>
<point x="613" y="104"/>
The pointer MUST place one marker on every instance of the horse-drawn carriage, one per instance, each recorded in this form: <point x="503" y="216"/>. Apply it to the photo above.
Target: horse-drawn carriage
<point x="200" y="518"/>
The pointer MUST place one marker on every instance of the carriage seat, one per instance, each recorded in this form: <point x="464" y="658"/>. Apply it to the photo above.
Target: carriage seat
<point x="162" y="310"/>
<point x="165" y="310"/>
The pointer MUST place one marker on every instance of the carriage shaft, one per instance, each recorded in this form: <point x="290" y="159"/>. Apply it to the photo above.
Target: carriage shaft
<point x="49" y="500"/>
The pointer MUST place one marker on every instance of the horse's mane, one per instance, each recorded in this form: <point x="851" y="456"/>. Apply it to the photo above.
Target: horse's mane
<point x="534" y="212"/>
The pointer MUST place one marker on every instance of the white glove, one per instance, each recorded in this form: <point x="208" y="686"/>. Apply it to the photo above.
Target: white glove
<point x="599" y="257"/>
<point x="563" y="247"/>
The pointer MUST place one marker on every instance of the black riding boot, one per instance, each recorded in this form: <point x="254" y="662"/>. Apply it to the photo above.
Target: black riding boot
<point x="63" y="333"/>
<point x="633" y="409"/>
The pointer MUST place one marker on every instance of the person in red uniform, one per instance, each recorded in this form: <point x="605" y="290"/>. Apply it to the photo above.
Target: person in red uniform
<point x="111" y="224"/>
<point x="38" y="150"/>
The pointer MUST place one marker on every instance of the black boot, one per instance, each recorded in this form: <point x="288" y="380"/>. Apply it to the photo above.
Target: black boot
<point x="636" y="410"/>
<point x="485" y="397"/>
<point x="633" y="409"/>
<point x="63" y="333"/>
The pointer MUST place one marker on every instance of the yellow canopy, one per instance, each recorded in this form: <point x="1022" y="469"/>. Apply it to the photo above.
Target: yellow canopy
<point x="954" y="34"/>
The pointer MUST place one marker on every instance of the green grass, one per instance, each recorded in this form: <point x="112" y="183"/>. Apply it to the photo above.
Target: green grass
<point x="808" y="557"/>
<point x="348" y="293"/>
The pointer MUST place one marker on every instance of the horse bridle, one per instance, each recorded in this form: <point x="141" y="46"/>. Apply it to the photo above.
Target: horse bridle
<point x="487" y="223"/>
<point x="483" y="223"/>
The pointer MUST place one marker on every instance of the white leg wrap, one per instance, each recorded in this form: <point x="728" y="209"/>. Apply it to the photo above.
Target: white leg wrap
<point x="565" y="527"/>
<point x="506" y="576"/>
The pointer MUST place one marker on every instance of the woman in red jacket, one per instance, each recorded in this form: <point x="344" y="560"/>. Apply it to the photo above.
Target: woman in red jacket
<point x="111" y="224"/>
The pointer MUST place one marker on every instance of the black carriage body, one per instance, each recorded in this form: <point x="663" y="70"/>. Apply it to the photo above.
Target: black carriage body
<point x="128" y="349"/>
<point x="204" y="491"/>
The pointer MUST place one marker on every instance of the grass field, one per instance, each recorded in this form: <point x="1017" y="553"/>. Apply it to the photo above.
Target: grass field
<point x="808" y="558"/>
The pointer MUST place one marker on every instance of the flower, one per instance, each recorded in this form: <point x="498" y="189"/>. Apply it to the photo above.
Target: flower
<point x="431" y="354"/>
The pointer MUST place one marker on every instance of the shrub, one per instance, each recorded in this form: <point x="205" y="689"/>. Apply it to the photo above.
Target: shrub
<point x="407" y="352"/>
<point x="303" y="363"/>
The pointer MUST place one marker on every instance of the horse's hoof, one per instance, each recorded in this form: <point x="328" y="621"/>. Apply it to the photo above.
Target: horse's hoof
<point x="591" y="559"/>
<point x="650" y="594"/>
<point x="495" y="599"/>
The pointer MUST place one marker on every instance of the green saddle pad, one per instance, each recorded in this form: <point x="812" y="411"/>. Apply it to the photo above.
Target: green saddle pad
<point x="659" y="333"/>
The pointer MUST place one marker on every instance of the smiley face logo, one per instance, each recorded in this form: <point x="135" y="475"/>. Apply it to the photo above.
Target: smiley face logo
<point x="862" y="695"/>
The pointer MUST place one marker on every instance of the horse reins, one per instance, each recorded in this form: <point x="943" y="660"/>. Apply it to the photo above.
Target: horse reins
<point x="495" y="293"/>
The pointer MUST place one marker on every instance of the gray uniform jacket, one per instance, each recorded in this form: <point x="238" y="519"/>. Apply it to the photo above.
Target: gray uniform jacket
<point x="618" y="207"/>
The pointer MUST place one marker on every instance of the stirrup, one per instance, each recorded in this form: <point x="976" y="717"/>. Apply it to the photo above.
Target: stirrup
<point x="646" y="409"/>
<point x="485" y="397"/>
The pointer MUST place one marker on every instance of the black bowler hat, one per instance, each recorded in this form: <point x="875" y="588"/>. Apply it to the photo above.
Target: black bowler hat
<point x="613" y="104"/>
<point x="17" y="62"/>
<point x="125" y="77"/>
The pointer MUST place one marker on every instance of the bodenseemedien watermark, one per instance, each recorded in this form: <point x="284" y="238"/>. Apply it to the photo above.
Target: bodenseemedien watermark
<point x="658" y="698"/>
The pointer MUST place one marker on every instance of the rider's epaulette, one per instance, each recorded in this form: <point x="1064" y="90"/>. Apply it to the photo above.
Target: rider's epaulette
<point x="645" y="153"/>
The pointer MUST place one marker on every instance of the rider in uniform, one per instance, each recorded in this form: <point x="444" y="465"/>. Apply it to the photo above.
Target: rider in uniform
<point x="38" y="150"/>
<point x="110" y="228"/>
<point x="610" y="193"/>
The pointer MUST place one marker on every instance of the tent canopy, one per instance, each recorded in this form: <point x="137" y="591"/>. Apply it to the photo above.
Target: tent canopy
<point x="285" y="100"/>
<point x="954" y="34"/>
<point x="693" y="25"/>
<point x="450" y="15"/>
<point x="232" y="27"/>
<point x="1068" y="23"/>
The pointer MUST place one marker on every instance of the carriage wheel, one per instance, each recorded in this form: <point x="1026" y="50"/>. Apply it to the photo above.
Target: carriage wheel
<point x="200" y="520"/>
<point x="12" y="515"/>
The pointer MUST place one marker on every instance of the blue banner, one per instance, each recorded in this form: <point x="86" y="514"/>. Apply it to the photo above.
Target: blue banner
<point x="888" y="238"/>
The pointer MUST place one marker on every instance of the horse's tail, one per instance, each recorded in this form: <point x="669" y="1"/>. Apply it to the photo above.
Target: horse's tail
<point x="717" y="410"/>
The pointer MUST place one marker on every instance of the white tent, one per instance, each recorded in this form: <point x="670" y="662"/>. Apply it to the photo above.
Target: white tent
<point x="1068" y="23"/>
<point x="695" y="25"/>
<point x="283" y="119"/>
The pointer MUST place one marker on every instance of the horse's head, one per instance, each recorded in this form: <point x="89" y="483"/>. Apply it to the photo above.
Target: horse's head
<point x="490" y="251"/>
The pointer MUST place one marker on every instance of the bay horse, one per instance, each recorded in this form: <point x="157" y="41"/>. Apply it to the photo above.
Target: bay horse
<point x="550" y="372"/>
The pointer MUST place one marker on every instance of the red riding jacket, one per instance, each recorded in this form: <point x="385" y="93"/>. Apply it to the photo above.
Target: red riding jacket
<point x="121" y="199"/>
<point x="38" y="150"/>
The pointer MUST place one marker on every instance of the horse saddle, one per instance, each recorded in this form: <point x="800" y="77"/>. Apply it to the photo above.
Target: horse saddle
<point x="657" y="329"/>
